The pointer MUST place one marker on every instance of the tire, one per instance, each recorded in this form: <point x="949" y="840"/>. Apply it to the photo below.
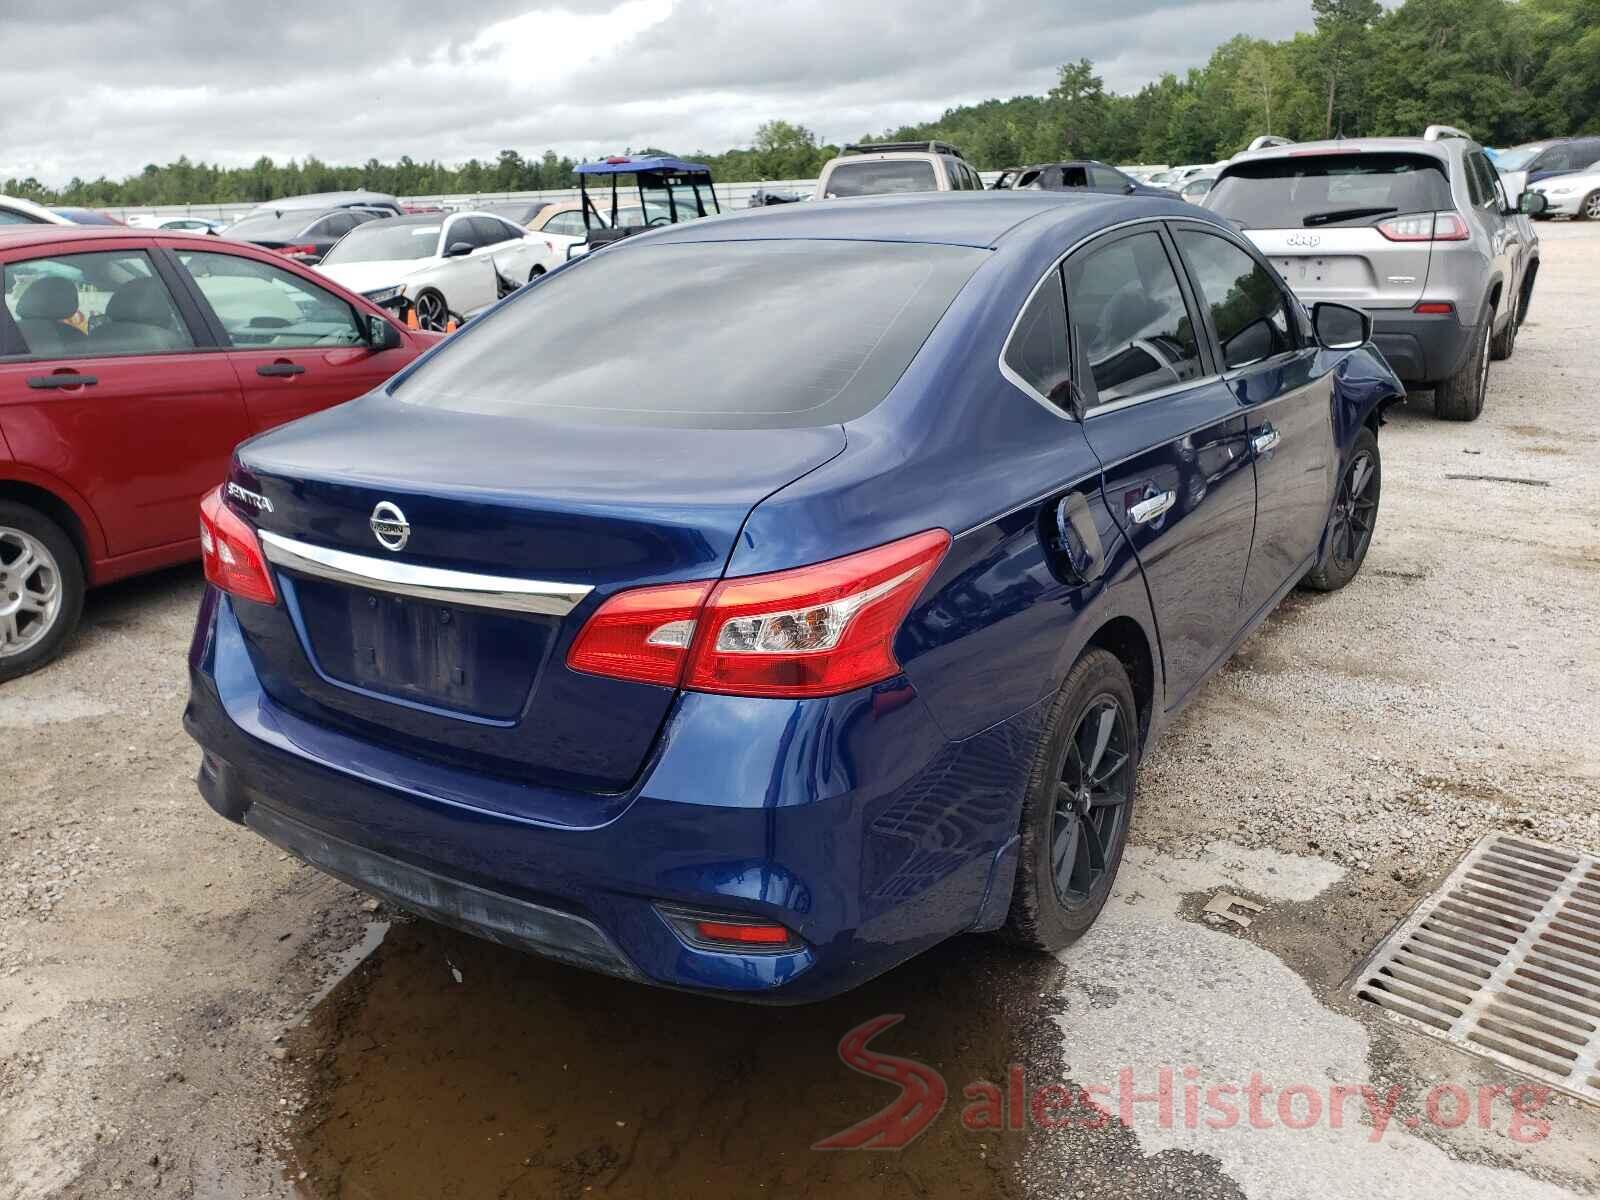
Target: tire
<point x="1046" y="914"/>
<point x="1589" y="210"/>
<point x="433" y="313"/>
<point x="1504" y="343"/>
<point x="41" y="589"/>
<point x="1353" y="519"/>
<point x="1460" y="398"/>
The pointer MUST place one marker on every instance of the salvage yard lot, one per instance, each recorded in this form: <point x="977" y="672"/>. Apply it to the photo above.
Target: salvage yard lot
<point x="152" y="955"/>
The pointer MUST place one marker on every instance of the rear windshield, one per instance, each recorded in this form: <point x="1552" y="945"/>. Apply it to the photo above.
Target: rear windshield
<point x="880" y="178"/>
<point x="717" y="335"/>
<point x="1329" y="189"/>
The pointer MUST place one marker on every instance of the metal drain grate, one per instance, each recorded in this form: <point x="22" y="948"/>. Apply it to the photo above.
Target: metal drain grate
<point x="1503" y="961"/>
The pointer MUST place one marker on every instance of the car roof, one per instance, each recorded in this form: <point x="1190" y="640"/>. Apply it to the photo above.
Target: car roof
<point x="24" y="236"/>
<point x="982" y="219"/>
<point x="1433" y="147"/>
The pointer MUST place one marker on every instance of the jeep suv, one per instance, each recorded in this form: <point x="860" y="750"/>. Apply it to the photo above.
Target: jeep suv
<point x="881" y="168"/>
<point x="1417" y="231"/>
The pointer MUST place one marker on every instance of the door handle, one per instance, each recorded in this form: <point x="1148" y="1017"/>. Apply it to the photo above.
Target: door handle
<point x="280" y="368"/>
<point x="63" y="379"/>
<point x="1266" y="440"/>
<point x="1148" y="510"/>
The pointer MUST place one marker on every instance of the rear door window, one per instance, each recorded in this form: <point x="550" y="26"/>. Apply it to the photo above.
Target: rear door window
<point x="720" y="335"/>
<point x="880" y="178"/>
<point x="1329" y="190"/>
<point x="1248" y="309"/>
<point x="92" y="306"/>
<point x="1127" y="309"/>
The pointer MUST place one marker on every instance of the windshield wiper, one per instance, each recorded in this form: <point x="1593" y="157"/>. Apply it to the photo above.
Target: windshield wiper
<point x="1346" y="214"/>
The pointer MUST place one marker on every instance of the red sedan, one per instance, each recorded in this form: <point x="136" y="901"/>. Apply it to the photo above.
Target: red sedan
<point x="131" y="363"/>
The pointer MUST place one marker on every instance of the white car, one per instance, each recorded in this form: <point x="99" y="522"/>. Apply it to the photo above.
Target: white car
<point x="441" y="264"/>
<point x="1576" y="195"/>
<point x="14" y="210"/>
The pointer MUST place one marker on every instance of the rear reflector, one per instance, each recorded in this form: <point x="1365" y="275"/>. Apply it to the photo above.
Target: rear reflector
<point x="1425" y="227"/>
<point x="722" y="931"/>
<point x="231" y="553"/>
<point x="1434" y="307"/>
<point x="813" y="631"/>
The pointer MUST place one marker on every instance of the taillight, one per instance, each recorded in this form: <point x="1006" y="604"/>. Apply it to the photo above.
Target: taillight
<point x="1425" y="227"/>
<point x="306" y="251"/>
<point x="812" y="631"/>
<point x="231" y="553"/>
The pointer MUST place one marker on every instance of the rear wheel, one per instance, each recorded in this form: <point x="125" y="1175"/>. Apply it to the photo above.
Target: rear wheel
<point x="1504" y="343"/>
<point x="1589" y="210"/>
<point x="1079" y="803"/>
<point x="1460" y="398"/>
<point x="1353" y="519"/>
<point x="41" y="589"/>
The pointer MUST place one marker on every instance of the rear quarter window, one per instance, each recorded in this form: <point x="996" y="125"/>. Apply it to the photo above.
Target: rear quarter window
<point x="1283" y="193"/>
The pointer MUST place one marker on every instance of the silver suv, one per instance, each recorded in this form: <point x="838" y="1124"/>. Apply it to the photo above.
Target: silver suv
<point x="1417" y="231"/>
<point x="886" y="168"/>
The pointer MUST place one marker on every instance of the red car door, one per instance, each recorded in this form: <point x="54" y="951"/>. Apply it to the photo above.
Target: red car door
<point x="115" y="393"/>
<point x="296" y="346"/>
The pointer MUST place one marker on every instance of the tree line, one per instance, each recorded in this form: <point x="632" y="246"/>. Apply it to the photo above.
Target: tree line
<point x="1506" y="71"/>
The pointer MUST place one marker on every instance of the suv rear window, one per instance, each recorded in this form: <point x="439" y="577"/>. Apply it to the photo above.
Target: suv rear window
<point x="879" y="178"/>
<point x="710" y="335"/>
<point x="1330" y="189"/>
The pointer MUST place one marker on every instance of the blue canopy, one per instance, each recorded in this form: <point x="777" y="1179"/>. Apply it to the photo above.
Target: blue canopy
<point x="619" y="164"/>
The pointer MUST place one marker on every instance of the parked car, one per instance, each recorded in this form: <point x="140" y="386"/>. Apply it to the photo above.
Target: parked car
<point x="1083" y="175"/>
<point x="1576" y="195"/>
<point x="1512" y="165"/>
<point x="176" y="224"/>
<point x="518" y="212"/>
<point x="86" y="216"/>
<point x="131" y="363"/>
<point x="303" y="234"/>
<point x="880" y="168"/>
<point x="1197" y="188"/>
<point x="375" y="202"/>
<point x="1566" y="157"/>
<point x="767" y="646"/>
<point x="14" y="210"/>
<point x="1005" y="179"/>
<point x="562" y="225"/>
<point x="439" y="266"/>
<point x="1418" y="231"/>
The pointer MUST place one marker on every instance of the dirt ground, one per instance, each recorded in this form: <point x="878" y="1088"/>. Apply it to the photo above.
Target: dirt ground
<point x="184" y="1011"/>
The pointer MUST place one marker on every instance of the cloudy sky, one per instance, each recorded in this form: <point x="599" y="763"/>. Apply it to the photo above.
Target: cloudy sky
<point x="90" y="88"/>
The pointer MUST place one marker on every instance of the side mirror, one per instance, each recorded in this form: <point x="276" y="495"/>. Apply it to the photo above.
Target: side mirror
<point x="457" y="249"/>
<point x="381" y="335"/>
<point x="1532" y="203"/>
<point x="1340" y="327"/>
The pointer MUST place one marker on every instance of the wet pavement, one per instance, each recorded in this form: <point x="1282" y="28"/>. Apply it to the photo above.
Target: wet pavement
<point x="446" y="1066"/>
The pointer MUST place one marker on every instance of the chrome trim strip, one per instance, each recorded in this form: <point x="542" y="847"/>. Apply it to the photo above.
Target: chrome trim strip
<point x="424" y="583"/>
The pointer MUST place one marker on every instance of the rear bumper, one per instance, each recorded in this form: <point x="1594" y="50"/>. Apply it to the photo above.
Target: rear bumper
<point x="852" y="820"/>
<point x="1421" y="348"/>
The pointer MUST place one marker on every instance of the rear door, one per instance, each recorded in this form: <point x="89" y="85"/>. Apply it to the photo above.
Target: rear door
<point x="117" y="391"/>
<point x="1272" y="369"/>
<point x="1316" y="216"/>
<point x="294" y="347"/>
<point x="1168" y="432"/>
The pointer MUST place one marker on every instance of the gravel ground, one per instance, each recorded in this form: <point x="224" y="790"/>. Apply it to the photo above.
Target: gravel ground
<point x="151" y="955"/>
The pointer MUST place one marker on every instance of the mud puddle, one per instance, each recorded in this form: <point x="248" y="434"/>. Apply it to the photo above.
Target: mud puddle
<point x="530" y="1079"/>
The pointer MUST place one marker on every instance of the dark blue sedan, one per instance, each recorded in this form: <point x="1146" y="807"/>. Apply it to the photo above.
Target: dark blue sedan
<point x="754" y="604"/>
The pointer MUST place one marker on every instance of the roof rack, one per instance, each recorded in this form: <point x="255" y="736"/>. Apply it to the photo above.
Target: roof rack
<point x="1434" y="133"/>
<point x="1266" y="140"/>
<point x="892" y="147"/>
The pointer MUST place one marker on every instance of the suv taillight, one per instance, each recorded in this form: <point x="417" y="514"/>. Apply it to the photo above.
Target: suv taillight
<point x="231" y="552"/>
<point x="1425" y="227"/>
<point x="813" y="631"/>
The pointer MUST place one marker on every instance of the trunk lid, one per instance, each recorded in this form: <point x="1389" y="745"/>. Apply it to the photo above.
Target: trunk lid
<point x="404" y="648"/>
<point x="1351" y="265"/>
